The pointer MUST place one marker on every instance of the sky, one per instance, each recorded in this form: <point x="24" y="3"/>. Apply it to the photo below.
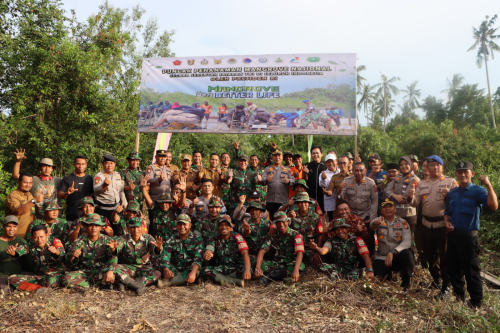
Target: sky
<point x="424" y="41"/>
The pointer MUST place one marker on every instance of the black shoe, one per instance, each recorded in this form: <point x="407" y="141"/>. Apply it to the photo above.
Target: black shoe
<point x="473" y="305"/>
<point x="264" y="281"/>
<point x="443" y="294"/>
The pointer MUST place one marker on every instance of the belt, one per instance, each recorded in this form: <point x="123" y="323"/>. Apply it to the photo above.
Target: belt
<point x="100" y="204"/>
<point x="434" y="218"/>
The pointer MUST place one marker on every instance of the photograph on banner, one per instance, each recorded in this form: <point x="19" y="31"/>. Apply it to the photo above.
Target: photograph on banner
<point x="268" y="94"/>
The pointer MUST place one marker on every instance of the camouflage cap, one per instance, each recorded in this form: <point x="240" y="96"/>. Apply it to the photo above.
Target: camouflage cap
<point x="134" y="222"/>
<point x="349" y="155"/>
<point x="243" y="158"/>
<point x="134" y="206"/>
<point x="302" y="197"/>
<point x="386" y="202"/>
<point x="183" y="218"/>
<point x="414" y="157"/>
<point x="134" y="156"/>
<point x="301" y="182"/>
<point x="340" y="223"/>
<point x="165" y="197"/>
<point x="10" y="219"/>
<point x="280" y="216"/>
<point x="215" y="202"/>
<point x="94" y="219"/>
<point x="225" y="219"/>
<point x="256" y="205"/>
<point x="51" y="205"/>
<point x="86" y="200"/>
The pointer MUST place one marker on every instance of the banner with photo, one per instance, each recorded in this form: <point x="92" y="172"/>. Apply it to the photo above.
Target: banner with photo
<point x="267" y="94"/>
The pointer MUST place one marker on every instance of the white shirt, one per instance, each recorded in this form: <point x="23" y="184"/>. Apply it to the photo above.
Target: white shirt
<point x="329" y="200"/>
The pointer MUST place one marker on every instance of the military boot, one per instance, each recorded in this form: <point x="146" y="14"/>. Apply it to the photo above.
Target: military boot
<point x="177" y="280"/>
<point x="224" y="280"/>
<point x="138" y="287"/>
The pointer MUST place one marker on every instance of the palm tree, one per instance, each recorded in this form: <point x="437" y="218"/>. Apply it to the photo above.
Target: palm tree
<point x="360" y="79"/>
<point x="453" y="85"/>
<point x="386" y="89"/>
<point x="366" y="100"/>
<point x="412" y="94"/>
<point x="484" y="40"/>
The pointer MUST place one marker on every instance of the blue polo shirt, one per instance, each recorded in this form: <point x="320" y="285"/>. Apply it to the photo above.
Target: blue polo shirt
<point x="463" y="205"/>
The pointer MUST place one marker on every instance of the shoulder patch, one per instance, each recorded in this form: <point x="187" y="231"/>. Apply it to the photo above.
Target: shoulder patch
<point x="97" y="179"/>
<point x="57" y="243"/>
<point x="242" y="244"/>
<point x="299" y="243"/>
<point x="361" y="246"/>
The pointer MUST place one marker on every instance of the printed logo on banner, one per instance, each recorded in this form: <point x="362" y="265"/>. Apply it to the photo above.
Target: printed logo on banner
<point x="278" y="60"/>
<point x="217" y="61"/>
<point x="177" y="62"/>
<point x="231" y="61"/>
<point x="190" y="62"/>
<point x="295" y="59"/>
<point x="313" y="59"/>
<point x="262" y="60"/>
<point x="247" y="60"/>
<point x="204" y="62"/>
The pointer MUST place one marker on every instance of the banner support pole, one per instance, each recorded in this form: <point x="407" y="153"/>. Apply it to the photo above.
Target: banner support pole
<point x="137" y="138"/>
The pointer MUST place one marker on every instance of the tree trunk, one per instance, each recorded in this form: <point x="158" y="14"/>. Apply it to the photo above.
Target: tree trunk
<point x="385" y="108"/>
<point x="489" y="94"/>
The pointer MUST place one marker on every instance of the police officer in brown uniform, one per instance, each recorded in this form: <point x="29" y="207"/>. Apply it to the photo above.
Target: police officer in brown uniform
<point x="360" y="193"/>
<point x="432" y="194"/>
<point x="187" y="177"/>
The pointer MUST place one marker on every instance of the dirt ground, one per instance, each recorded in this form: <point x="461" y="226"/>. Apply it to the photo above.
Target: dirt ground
<point x="314" y="304"/>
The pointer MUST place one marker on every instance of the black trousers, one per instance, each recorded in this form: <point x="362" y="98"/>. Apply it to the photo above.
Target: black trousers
<point x="403" y="262"/>
<point x="272" y="207"/>
<point x="434" y="248"/>
<point x="463" y="260"/>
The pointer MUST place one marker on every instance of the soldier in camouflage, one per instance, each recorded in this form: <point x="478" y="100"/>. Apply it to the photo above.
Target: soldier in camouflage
<point x="300" y="186"/>
<point x="87" y="207"/>
<point x="12" y="247"/>
<point x="242" y="181"/>
<point x="340" y="254"/>
<point x="288" y="247"/>
<point x="307" y="223"/>
<point x="134" y="250"/>
<point x="131" y="176"/>
<point x="89" y="258"/>
<point x="56" y="227"/>
<point x="181" y="255"/>
<point x="120" y="221"/>
<point x="165" y="220"/>
<point x="208" y="227"/>
<point x="255" y="228"/>
<point x="44" y="259"/>
<point x="227" y="256"/>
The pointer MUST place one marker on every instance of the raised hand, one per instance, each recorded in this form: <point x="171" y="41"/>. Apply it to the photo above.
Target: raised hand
<point x="131" y="185"/>
<point x="242" y="198"/>
<point x="270" y="177"/>
<point x="20" y="154"/>
<point x="323" y="175"/>
<point x="72" y="189"/>
<point x="305" y="169"/>
<point x="208" y="255"/>
<point x="77" y="253"/>
<point x="52" y="249"/>
<point x="158" y="242"/>
<point x="246" y="228"/>
<point x="484" y="180"/>
<point x="236" y="145"/>
<point x="112" y="245"/>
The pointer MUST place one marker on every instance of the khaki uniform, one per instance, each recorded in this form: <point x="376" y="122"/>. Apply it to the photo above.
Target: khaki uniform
<point x="14" y="200"/>
<point x="191" y="180"/>
<point x="362" y="197"/>
<point x="432" y="198"/>
<point x="335" y="182"/>
<point x="277" y="190"/>
<point x="157" y="188"/>
<point x="114" y="195"/>
<point x="215" y="176"/>
<point x="401" y="185"/>
<point x="430" y="194"/>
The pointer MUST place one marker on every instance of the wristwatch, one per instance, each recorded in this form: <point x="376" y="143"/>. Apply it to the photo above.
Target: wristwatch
<point x="369" y="269"/>
<point x="33" y="201"/>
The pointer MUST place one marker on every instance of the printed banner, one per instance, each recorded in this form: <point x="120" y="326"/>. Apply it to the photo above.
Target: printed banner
<point x="162" y="142"/>
<point x="268" y="94"/>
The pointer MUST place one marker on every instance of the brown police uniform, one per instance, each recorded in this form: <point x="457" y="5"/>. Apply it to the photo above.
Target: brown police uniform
<point x="362" y="198"/>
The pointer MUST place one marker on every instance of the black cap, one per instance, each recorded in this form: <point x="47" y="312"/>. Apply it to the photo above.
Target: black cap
<point x="464" y="165"/>
<point x="288" y="153"/>
<point x="374" y="157"/>
<point x="108" y="157"/>
<point x="161" y="152"/>
<point x="392" y="166"/>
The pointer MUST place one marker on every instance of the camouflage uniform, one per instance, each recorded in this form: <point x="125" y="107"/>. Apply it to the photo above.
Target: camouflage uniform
<point x="261" y="189"/>
<point x="208" y="227"/>
<point x="179" y="255"/>
<point x="342" y="261"/>
<point x="134" y="258"/>
<point x="243" y="183"/>
<point x="163" y="224"/>
<point x="258" y="233"/>
<point x="59" y="230"/>
<point x="95" y="260"/>
<point x="285" y="247"/>
<point x="46" y="266"/>
<point x="129" y="175"/>
<point x="227" y="259"/>
<point x="225" y="187"/>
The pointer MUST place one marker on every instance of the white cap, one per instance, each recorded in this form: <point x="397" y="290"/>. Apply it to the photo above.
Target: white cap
<point x="330" y="157"/>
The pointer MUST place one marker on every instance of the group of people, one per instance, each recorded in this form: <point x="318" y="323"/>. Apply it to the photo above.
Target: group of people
<point x="238" y="219"/>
